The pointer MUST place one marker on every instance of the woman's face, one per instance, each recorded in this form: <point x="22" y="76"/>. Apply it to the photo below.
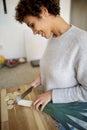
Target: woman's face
<point x="40" y="26"/>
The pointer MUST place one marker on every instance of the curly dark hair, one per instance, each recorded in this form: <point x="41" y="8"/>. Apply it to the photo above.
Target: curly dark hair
<point x="33" y="7"/>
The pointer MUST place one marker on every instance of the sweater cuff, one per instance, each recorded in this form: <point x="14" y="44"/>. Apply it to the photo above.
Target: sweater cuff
<point x="63" y="96"/>
<point x="56" y="96"/>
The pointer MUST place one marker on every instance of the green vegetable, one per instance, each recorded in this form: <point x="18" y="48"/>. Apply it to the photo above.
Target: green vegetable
<point x="64" y="113"/>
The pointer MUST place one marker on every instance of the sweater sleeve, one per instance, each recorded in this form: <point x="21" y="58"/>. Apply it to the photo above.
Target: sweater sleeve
<point x="78" y="92"/>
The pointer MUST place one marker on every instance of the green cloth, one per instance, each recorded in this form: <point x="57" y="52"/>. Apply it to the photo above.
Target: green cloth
<point x="68" y="114"/>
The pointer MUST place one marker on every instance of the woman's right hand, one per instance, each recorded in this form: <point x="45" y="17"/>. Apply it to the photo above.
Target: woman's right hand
<point x="37" y="81"/>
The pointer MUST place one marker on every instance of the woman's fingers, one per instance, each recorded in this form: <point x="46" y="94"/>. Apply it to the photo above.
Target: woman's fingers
<point x="42" y="100"/>
<point x="39" y="105"/>
<point x="43" y="105"/>
<point x="36" y="82"/>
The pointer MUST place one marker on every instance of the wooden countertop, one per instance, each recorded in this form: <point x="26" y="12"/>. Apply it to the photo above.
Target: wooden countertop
<point x="24" y="118"/>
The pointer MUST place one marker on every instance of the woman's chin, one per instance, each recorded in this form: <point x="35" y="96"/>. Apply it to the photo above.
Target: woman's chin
<point x="48" y="36"/>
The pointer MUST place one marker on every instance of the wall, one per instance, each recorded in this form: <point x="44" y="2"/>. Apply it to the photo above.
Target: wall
<point x="76" y="19"/>
<point x="11" y="32"/>
<point x="65" y="9"/>
<point x="12" y="43"/>
<point x="34" y="45"/>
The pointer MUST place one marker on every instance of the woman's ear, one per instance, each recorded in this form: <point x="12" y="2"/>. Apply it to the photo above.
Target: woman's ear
<point x="44" y="11"/>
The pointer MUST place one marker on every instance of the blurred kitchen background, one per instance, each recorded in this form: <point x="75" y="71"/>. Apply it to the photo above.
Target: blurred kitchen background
<point x="17" y="40"/>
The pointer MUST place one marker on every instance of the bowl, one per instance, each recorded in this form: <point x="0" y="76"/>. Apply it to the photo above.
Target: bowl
<point x="12" y="63"/>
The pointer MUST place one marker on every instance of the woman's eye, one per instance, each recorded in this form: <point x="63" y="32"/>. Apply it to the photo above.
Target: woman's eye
<point x="32" y="25"/>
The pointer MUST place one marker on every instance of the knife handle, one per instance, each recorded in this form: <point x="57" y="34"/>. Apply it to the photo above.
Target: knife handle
<point x="26" y="92"/>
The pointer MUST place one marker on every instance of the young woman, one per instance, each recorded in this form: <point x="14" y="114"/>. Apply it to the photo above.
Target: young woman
<point x="63" y="67"/>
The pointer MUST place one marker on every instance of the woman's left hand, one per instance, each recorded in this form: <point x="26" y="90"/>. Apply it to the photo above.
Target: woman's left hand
<point x="42" y="100"/>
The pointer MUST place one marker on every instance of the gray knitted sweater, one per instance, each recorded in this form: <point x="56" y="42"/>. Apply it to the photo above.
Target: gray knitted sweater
<point x="64" y="66"/>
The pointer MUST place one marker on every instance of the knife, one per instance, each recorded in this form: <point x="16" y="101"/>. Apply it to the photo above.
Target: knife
<point x="23" y="95"/>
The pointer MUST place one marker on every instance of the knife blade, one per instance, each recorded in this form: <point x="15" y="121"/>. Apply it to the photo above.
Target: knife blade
<point x="23" y="95"/>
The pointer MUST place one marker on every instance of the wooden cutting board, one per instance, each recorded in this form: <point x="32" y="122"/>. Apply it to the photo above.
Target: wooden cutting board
<point x="24" y="118"/>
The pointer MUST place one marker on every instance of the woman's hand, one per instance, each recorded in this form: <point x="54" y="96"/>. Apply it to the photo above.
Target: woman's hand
<point x="42" y="100"/>
<point x="37" y="81"/>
